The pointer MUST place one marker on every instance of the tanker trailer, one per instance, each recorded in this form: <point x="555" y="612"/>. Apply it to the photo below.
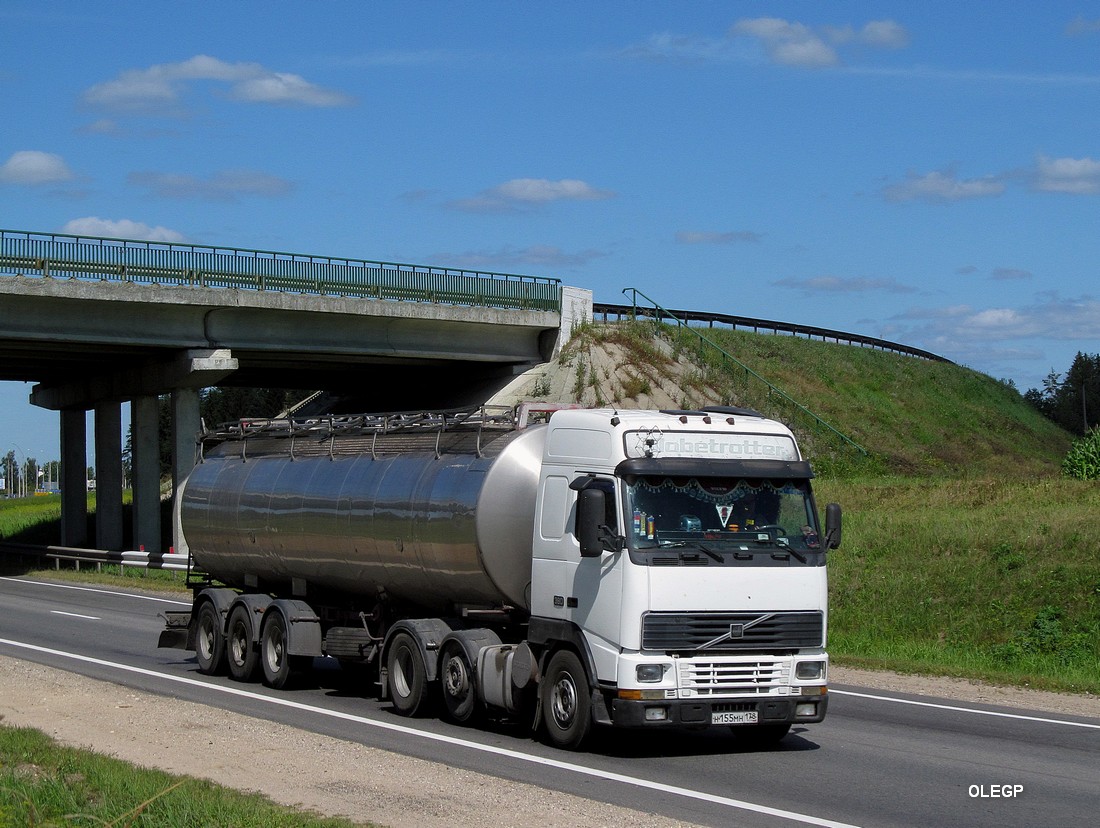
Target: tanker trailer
<point x="500" y="564"/>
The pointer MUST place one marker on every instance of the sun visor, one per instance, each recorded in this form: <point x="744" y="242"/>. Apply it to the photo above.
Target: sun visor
<point x="704" y="467"/>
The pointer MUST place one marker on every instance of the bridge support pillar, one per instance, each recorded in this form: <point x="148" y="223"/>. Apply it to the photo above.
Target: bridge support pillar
<point x="108" y="476"/>
<point x="74" y="478"/>
<point x="145" y="453"/>
<point x="186" y="425"/>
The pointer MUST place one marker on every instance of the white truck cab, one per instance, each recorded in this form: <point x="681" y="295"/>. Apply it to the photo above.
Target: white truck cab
<point x="680" y="552"/>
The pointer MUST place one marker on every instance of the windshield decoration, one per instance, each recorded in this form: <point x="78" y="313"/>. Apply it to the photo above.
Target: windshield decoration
<point x="724" y="519"/>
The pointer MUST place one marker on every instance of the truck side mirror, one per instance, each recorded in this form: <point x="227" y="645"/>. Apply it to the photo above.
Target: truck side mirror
<point x="832" y="526"/>
<point x="591" y="504"/>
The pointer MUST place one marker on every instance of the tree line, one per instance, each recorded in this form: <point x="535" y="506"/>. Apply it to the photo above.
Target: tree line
<point x="1072" y="402"/>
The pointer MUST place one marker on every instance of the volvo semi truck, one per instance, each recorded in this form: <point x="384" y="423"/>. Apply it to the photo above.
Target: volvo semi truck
<point x="569" y="568"/>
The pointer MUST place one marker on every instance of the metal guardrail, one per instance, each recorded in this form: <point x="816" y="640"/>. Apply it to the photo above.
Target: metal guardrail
<point x="757" y="325"/>
<point x="144" y="262"/>
<point x="99" y="557"/>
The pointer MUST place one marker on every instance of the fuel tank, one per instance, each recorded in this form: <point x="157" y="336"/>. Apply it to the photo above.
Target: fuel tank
<point x="435" y="526"/>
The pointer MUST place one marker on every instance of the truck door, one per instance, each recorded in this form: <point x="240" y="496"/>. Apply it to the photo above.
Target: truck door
<point x="586" y="591"/>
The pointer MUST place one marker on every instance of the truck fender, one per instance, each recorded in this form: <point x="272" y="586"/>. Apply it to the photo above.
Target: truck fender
<point x="221" y="597"/>
<point x="256" y="604"/>
<point x="303" y="626"/>
<point x="553" y="634"/>
<point x="428" y="634"/>
<point x="472" y="641"/>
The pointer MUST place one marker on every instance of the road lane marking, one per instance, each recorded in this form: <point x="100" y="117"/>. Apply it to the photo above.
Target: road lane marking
<point x="940" y="706"/>
<point x="75" y="615"/>
<point x="95" y="589"/>
<point x="581" y="770"/>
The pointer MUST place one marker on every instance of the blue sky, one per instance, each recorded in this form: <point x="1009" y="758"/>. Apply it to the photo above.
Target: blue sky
<point x="923" y="172"/>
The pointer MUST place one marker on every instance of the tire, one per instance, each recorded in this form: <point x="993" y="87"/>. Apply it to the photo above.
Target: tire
<point x="407" y="675"/>
<point x="243" y="658"/>
<point x="278" y="666"/>
<point x="566" y="704"/>
<point x="458" y="683"/>
<point x="209" y="641"/>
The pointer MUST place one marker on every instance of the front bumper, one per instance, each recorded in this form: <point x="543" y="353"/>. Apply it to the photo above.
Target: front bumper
<point x="697" y="714"/>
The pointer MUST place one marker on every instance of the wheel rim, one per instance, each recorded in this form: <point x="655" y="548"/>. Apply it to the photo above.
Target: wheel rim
<point x="238" y="644"/>
<point x="402" y="664"/>
<point x="563" y="701"/>
<point x="205" y="641"/>
<point x="456" y="679"/>
<point x="275" y="649"/>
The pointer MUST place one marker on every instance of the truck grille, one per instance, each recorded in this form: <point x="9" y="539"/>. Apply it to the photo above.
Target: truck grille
<point x="731" y="631"/>
<point x="721" y="678"/>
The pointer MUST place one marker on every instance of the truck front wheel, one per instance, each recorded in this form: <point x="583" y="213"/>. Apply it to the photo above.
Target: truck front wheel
<point x="566" y="705"/>
<point x="407" y="676"/>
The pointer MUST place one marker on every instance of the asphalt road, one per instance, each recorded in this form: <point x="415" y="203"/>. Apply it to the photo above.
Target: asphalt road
<point x="879" y="759"/>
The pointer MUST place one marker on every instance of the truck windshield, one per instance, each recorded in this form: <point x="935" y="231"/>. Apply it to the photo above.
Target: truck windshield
<point x="722" y="517"/>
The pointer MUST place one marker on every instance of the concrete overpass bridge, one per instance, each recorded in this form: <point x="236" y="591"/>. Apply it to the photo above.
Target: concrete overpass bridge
<point x="99" y="322"/>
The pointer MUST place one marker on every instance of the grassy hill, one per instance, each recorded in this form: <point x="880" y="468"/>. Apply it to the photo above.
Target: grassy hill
<point x="965" y="552"/>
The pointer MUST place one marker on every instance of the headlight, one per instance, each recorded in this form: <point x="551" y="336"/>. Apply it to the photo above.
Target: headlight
<point x="809" y="670"/>
<point x="650" y="673"/>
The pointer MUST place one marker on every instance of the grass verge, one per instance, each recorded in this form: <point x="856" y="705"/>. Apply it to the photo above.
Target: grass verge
<point x="45" y="784"/>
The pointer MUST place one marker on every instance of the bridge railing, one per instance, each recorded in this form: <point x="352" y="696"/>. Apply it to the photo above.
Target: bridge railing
<point x="145" y="262"/>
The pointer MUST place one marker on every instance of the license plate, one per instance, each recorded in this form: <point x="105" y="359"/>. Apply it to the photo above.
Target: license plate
<point x="735" y="717"/>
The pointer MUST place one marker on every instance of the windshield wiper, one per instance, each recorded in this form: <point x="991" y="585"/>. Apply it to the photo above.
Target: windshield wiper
<point x="710" y="552"/>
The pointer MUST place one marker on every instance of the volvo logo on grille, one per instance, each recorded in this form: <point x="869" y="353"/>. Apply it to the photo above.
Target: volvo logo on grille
<point x="737" y="631"/>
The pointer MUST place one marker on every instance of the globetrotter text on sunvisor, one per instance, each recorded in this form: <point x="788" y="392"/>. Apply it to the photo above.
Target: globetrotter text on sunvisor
<point x="730" y="446"/>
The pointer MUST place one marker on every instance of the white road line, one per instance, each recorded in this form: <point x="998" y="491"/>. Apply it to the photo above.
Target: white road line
<point x="408" y="731"/>
<point x="75" y="615"/>
<point x="95" y="589"/>
<point x="973" y="710"/>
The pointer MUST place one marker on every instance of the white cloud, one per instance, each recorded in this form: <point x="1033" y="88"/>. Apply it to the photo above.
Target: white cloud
<point x="158" y="88"/>
<point x="225" y="185"/>
<point x="789" y="44"/>
<point x="940" y="187"/>
<point x="1080" y="26"/>
<point x="838" y="284"/>
<point x="784" y="42"/>
<point x="31" y="167"/>
<point x="1077" y="176"/>
<point x="710" y="237"/>
<point x="796" y="44"/>
<point x="522" y="193"/>
<point x="1008" y="274"/>
<point x="510" y="258"/>
<point x="121" y="229"/>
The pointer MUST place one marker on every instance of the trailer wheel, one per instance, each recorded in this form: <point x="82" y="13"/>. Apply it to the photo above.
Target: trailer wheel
<point x="407" y="675"/>
<point x="566" y="706"/>
<point x="278" y="666"/>
<point x="209" y="641"/>
<point x="241" y="654"/>
<point x="458" y="683"/>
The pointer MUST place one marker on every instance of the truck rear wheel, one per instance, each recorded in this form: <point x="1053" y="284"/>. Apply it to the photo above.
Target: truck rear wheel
<point x="407" y="675"/>
<point x="209" y="641"/>
<point x="241" y="654"/>
<point x="566" y="706"/>
<point x="278" y="667"/>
